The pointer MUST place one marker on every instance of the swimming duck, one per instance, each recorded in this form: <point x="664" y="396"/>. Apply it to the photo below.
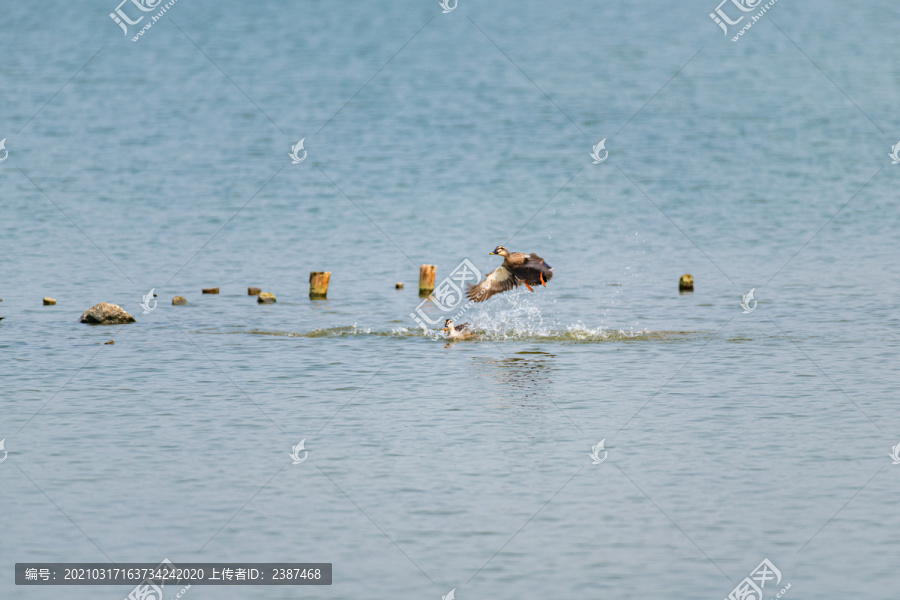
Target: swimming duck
<point x="517" y="268"/>
<point x="457" y="333"/>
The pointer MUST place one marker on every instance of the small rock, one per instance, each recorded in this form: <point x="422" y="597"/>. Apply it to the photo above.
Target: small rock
<point x="106" y="314"/>
<point x="48" y="301"/>
<point x="210" y="290"/>
<point x="179" y="300"/>
<point x="109" y="342"/>
<point x="252" y="291"/>
<point x="399" y="285"/>
<point x="266" y="298"/>
<point x="687" y="283"/>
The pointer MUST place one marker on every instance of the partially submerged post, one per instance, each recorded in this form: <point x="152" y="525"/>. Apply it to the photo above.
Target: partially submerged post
<point x="426" y="279"/>
<point x="253" y="291"/>
<point x="318" y="284"/>
<point x="210" y="290"/>
<point x="687" y="283"/>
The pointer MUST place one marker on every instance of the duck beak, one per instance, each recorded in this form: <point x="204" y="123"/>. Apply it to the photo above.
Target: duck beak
<point x="445" y="330"/>
<point x="492" y="253"/>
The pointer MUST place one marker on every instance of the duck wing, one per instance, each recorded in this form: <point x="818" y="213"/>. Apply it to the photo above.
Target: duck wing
<point x="499" y="280"/>
<point x="461" y="326"/>
<point x="532" y="269"/>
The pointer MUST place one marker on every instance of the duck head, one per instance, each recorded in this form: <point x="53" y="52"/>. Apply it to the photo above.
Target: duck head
<point x="448" y="324"/>
<point x="501" y="251"/>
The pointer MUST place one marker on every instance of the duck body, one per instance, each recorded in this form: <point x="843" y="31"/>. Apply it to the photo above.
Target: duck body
<point x="518" y="268"/>
<point x="457" y="332"/>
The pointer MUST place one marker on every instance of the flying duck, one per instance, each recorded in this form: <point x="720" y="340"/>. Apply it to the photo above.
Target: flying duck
<point x="457" y="333"/>
<point x="517" y="268"/>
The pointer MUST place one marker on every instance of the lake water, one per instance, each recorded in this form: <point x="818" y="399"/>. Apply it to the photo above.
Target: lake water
<point x="730" y="436"/>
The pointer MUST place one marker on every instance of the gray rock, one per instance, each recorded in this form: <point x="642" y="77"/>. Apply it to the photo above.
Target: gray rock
<point x="106" y="314"/>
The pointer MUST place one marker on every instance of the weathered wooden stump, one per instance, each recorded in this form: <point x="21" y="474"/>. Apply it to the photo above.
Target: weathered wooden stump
<point x="178" y="300"/>
<point x="426" y="279"/>
<point x="253" y="291"/>
<point x="49" y="301"/>
<point x="210" y="290"/>
<point x="318" y="284"/>
<point x="399" y="285"/>
<point x="687" y="283"/>
<point x="265" y="298"/>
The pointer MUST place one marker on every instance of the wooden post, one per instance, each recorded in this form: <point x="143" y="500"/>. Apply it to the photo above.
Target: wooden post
<point x="318" y="284"/>
<point x="210" y="290"/>
<point x="426" y="279"/>
<point x="253" y="291"/>
<point x="687" y="283"/>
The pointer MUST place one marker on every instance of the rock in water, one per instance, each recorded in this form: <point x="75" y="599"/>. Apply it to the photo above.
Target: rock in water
<point x="179" y="300"/>
<point x="106" y="314"/>
<point x="265" y="298"/>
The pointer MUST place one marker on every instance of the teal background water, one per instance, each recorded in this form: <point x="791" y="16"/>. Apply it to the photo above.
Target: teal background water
<point x="432" y="138"/>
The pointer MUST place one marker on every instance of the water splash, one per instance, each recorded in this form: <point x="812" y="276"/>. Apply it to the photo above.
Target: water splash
<point x="572" y="334"/>
<point x="519" y="316"/>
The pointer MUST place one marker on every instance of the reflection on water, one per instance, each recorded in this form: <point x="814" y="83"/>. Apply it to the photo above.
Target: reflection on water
<point x="522" y="379"/>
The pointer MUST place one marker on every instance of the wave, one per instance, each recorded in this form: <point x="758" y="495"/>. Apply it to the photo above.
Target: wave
<point x="575" y="334"/>
<point x="516" y="317"/>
